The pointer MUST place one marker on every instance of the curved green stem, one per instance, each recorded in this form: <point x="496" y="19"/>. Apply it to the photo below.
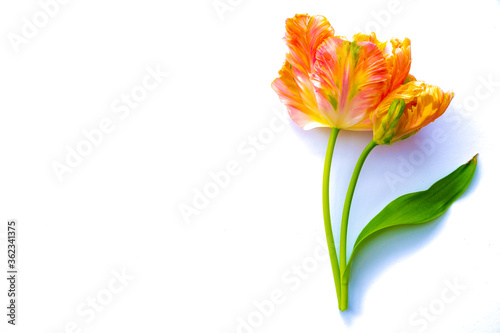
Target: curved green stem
<point x="344" y="289"/>
<point x="326" y="211"/>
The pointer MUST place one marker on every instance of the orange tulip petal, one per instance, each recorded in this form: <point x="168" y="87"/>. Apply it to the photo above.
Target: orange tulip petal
<point x="399" y="62"/>
<point x="303" y="36"/>
<point x="296" y="91"/>
<point x="350" y="77"/>
<point x="430" y="105"/>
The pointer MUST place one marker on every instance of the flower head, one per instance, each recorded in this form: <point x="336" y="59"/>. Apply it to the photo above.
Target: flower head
<point x="406" y="110"/>
<point x="327" y="81"/>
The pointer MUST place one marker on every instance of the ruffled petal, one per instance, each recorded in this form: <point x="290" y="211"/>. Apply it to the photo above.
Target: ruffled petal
<point x="303" y="36"/>
<point x="372" y="38"/>
<point x="430" y="105"/>
<point x="296" y="91"/>
<point x="350" y="78"/>
<point x="399" y="62"/>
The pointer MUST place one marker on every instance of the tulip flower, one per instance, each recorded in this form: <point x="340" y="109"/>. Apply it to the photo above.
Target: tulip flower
<point x="328" y="81"/>
<point x="362" y="85"/>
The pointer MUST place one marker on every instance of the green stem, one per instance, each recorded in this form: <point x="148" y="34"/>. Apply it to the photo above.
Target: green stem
<point x="344" y="290"/>
<point x="326" y="211"/>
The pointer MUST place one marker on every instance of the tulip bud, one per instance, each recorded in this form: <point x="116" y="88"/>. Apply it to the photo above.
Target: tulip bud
<point x="385" y="132"/>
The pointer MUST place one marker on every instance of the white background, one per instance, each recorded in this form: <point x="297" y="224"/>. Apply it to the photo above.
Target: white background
<point x="118" y="210"/>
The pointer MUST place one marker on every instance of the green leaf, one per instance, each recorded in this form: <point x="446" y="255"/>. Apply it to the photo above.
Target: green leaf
<point x="417" y="207"/>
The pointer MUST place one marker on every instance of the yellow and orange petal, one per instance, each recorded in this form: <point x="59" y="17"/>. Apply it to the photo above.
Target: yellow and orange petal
<point x="424" y="103"/>
<point x="399" y="62"/>
<point x="303" y="36"/>
<point x="351" y="79"/>
<point x="372" y="38"/>
<point x="296" y="91"/>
